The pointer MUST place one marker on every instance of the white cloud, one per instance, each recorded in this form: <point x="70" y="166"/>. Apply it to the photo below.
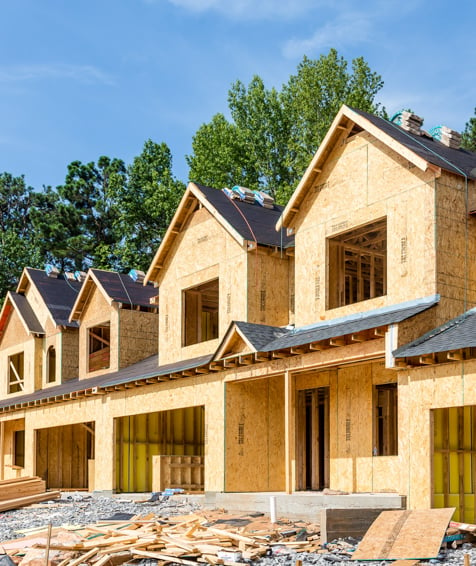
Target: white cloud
<point x="251" y="9"/>
<point x="346" y="29"/>
<point x="79" y="73"/>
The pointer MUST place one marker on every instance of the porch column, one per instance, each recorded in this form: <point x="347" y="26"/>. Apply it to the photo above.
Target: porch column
<point x="2" y="450"/>
<point x="289" y="432"/>
<point x="104" y="461"/>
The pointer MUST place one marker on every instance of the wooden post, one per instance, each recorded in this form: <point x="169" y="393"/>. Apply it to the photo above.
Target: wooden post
<point x="2" y="450"/>
<point x="289" y="432"/>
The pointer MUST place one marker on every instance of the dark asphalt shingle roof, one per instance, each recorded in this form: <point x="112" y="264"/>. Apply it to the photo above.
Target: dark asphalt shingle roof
<point x="460" y="332"/>
<point x="121" y="288"/>
<point x="433" y="151"/>
<point x="260" y="334"/>
<point x="27" y="313"/>
<point x="351" y="324"/>
<point x="260" y="222"/>
<point x="58" y="293"/>
<point x="145" y="368"/>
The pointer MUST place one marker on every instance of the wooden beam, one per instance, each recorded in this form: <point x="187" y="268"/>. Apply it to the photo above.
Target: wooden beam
<point x="455" y="356"/>
<point x="427" y="360"/>
<point x="358" y="337"/>
<point x="337" y="341"/>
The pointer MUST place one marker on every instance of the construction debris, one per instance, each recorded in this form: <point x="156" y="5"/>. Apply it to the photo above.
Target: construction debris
<point x="186" y="540"/>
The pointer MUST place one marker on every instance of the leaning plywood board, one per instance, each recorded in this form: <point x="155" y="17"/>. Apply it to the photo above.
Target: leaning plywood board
<point x="402" y="535"/>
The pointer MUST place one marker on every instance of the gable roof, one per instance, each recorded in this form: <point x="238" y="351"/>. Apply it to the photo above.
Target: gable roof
<point x="58" y="293"/>
<point x="458" y="333"/>
<point x="116" y="288"/>
<point x="246" y="222"/>
<point x="19" y="303"/>
<point x="423" y="151"/>
<point x="255" y="336"/>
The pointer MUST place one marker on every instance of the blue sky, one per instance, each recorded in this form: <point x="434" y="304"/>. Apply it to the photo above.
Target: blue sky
<point x="89" y="78"/>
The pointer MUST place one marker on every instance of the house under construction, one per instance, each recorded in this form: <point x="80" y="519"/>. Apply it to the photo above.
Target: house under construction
<point x="329" y="344"/>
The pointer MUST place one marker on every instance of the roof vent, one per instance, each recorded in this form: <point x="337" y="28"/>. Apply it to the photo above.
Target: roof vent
<point x="447" y="136"/>
<point x="411" y="123"/>
<point x="51" y="271"/>
<point x="264" y="199"/>
<point x="80" y="276"/>
<point x="137" y="275"/>
<point x="69" y="276"/>
<point x="244" y="194"/>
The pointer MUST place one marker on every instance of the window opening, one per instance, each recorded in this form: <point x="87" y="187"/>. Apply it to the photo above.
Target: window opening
<point x="357" y="265"/>
<point x="386" y="420"/>
<point x="19" y="448"/>
<point x="200" y="313"/>
<point x="99" y="347"/>
<point x="51" y="365"/>
<point x="16" y="377"/>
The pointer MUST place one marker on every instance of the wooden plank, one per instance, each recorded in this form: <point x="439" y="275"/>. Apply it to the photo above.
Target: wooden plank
<point x="404" y="535"/>
<point x="338" y="523"/>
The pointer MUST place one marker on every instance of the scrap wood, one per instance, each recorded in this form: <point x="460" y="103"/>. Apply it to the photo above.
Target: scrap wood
<point x="402" y="535"/>
<point x="466" y="527"/>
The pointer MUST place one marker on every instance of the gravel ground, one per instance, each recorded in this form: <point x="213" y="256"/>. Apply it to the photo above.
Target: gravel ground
<point x="77" y="509"/>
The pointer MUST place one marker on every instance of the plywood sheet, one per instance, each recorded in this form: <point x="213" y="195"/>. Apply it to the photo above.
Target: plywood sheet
<point x="402" y="535"/>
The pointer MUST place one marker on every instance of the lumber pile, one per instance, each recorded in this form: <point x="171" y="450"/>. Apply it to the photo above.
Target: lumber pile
<point x="18" y="492"/>
<point x="188" y="540"/>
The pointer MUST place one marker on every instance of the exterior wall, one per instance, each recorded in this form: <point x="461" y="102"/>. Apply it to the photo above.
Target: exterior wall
<point x="203" y="251"/>
<point x="422" y="389"/>
<point x="268" y="288"/>
<point x="103" y="409"/>
<point x="362" y="181"/>
<point x="138" y="336"/>
<point x="10" y="471"/>
<point x="456" y="245"/>
<point x="16" y="340"/>
<point x="255" y="435"/>
<point x="98" y="311"/>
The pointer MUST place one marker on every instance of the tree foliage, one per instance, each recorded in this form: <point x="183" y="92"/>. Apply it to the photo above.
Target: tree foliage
<point x="105" y="215"/>
<point x="468" y="140"/>
<point x="273" y="134"/>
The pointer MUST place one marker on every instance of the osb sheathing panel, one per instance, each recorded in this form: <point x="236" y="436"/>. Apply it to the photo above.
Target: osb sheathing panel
<point x="138" y="336"/>
<point x="378" y="183"/>
<point x="203" y="251"/>
<point x="268" y="288"/>
<point x="69" y="354"/>
<point x="204" y="390"/>
<point x="97" y="311"/>
<point x="255" y="436"/>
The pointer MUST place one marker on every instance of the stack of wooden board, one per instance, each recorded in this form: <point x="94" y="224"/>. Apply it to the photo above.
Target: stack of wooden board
<point x="23" y="491"/>
<point x="186" y="540"/>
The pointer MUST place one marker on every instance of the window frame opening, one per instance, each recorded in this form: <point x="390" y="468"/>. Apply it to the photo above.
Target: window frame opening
<point x="357" y="264"/>
<point x="19" y="448"/>
<point x="99" y="347"/>
<point x="51" y="365"/>
<point x="200" y="313"/>
<point x="385" y="420"/>
<point x="16" y="372"/>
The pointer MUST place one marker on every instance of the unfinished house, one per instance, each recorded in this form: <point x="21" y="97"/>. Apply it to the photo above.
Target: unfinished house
<point x="38" y="349"/>
<point x="326" y="345"/>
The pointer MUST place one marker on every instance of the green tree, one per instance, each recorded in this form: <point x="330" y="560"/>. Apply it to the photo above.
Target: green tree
<point x="18" y="246"/>
<point x="274" y="134"/>
<point x="145" y="205"/>
<point x="468" y="140"/>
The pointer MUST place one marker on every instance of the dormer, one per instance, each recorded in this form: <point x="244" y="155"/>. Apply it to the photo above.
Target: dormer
<point x="38" y="344"/>
<point x="220" y="260"/>
<point x="381" y="217"/>
<point x="117" y="316"/>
